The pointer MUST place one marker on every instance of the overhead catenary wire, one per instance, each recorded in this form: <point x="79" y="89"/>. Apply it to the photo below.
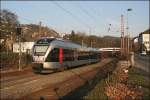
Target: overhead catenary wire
<point x="74" y="16"/>
<point x="104" y="20"/>
<point x="87" y="13"/>
<point x="96" y="12"/>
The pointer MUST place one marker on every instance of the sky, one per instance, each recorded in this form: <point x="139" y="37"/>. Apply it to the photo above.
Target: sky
<point x="91" y="17"/>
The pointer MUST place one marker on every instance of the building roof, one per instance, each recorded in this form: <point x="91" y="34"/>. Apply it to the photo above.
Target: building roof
<point x="145" y="32"/>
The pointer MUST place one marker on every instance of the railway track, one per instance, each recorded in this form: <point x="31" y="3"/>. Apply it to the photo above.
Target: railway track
<point x="32" y="84"/>
<point x="17" y="80"/>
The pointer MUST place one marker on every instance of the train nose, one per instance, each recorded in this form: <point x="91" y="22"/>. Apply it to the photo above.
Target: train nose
<point x="37" y="67"/>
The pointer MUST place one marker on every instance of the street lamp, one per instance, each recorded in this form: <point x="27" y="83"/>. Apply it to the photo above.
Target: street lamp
<point x="128" y="35"/>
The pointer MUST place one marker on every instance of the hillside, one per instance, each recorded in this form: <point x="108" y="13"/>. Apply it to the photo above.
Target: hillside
<point x="31" y="32"/>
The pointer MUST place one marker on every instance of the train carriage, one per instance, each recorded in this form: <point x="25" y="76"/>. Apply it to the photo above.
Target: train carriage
<point x="56" y="54"/>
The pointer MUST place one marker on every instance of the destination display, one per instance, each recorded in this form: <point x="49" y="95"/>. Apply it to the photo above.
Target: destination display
<point x="44" y="41"/>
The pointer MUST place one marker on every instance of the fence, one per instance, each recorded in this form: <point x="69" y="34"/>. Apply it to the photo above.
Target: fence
<point x="10" y="59"/>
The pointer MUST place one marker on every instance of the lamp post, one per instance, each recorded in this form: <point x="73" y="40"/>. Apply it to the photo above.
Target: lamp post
<point x="128" y="35"/>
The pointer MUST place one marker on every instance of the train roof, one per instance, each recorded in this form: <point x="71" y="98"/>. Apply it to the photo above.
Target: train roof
<point x="63" y="43"/>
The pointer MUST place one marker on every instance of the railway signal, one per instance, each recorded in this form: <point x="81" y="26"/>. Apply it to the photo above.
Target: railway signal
<point x="18" y="31"/>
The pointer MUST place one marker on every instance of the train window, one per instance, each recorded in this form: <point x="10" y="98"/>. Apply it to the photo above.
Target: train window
<point x="44" y="41"/>
<point x="40" y="50"/>
<point x="53" y="56"/>
<point x="83" y="55"/>
<point x="68" y="55"/>
<point x="93" y="55"/>
<point x="75" y="54"/>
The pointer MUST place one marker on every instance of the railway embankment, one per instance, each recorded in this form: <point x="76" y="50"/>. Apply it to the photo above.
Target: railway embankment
<point x="124" y="83"/>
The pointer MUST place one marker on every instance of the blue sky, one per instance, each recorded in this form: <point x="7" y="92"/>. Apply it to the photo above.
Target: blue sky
<point x="84" y="16"/>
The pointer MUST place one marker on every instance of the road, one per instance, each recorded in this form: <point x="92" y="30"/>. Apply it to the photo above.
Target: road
<point x="142" y="62"/>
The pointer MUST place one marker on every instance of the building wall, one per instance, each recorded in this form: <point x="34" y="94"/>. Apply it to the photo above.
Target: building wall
<point x="144" y="41"/>
<point x="25" y="47"/>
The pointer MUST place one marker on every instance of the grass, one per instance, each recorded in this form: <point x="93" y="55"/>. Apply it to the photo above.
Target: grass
<point x="136" y="80"/>
<point x="97" y="93"/>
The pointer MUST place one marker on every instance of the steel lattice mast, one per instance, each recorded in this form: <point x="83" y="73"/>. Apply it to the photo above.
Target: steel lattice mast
<point x="122" y="35"/>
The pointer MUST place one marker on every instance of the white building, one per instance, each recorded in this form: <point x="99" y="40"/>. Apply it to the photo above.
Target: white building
<point x="144" y="41"/>
<point x="26" y="47"/>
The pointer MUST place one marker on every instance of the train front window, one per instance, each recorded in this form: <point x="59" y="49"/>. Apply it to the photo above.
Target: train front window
<point x="40" y="50"/>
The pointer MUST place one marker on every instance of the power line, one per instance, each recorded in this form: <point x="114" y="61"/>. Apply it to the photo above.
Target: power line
<point x="87" y="13"/>
<point x="96" y="12"/>
<point x="74" y="16"/>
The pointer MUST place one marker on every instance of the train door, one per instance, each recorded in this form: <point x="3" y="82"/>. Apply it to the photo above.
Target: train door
<point x="60" y="55"/>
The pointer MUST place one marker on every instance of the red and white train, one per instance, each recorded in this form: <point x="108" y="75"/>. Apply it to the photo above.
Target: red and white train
<point x="56" y="54"/>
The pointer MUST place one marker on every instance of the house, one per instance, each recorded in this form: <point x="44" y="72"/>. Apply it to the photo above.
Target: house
<point x="144" y="41"/>
<point x="26" y="47"/>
